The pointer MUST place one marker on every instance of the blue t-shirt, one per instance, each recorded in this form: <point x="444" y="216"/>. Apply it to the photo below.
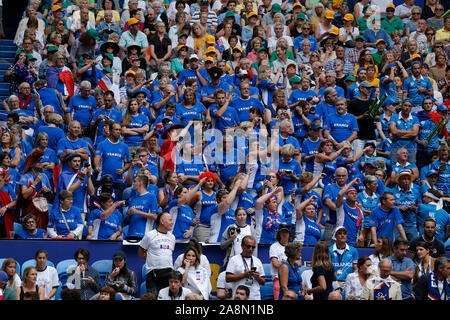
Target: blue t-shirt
<point x="441" y="217"/>
<point x="81" y="108"/>
<point x="341" y="127"/>
<point x="270" y="223"/>
<point x="299" y="94"/>
<point x="56" y="220"/>
<point x="229" y="118"/>
<point x="402" y="265"/>
<point x="113" y="156"/>
<point x="323" y="110"/>
<point x="139" y="225"/>
<point x="66" y="143"/>
<point x="288" y="183"/>
<point x="330" y="192"/>
<point x="183" y="218"/>
<point x="351" y="219"/>
<point x="114" y="114"/>
<point x="137" y="121"/>
<point x="103" y="229"/>
<point x="206" y="208"/>
<point x="65" y="180"/>
<point x="443" y="181"/>
<point x="411" y="84"/>
<point x="409" y="198"/>
<point x="384" y="221"/>
<point x="368" y="203"/>
<point x="309" y="148"/>
<point x="339" y="90"/>
<point x="343" y="263"/>
<point x="243" y="107"/>
<point x="401" y="124"/>
<point x="219" y="224"/>
<point x="55" y="134"/>
<point x="40" y="234"/>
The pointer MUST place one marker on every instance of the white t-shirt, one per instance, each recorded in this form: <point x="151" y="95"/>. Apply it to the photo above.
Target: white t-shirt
<point x="236" y="247"/>
<point x="164" y="294"/>
<point x="236" y="266"/>
<point x="204" y="262"/>
<point x="223" y="284"/>
<point x="198" y="280"/>
<point x="159" y="248"/>
<point x="276" y="251"/>
<point x="48" y="279"/>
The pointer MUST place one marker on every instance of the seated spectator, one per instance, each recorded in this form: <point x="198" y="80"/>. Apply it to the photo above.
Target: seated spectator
<point x="65" y="220"/>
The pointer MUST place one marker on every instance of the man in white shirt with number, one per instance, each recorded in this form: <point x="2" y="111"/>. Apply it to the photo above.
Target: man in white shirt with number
<point x="245" y="269"/>
<point x="157" y="249"/>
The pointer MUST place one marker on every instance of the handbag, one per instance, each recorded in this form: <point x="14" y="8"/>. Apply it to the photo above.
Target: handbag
<point x="40" y="203"/>
<point x="67" y="226"/>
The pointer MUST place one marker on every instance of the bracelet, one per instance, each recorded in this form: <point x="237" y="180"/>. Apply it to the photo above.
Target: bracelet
<point x="33" y="187"/>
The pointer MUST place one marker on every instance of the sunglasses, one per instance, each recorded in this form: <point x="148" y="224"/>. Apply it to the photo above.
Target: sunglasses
<point x="438" y="9"/>
<point x="250" y="247"/>
<point x="430" y="34"/>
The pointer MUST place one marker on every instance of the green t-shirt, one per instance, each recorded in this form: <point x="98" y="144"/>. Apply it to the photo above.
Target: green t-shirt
<point x="289" y="55"/>
<point x="389" y="27"/>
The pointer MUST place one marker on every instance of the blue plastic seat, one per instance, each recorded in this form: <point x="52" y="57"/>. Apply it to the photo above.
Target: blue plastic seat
<point x="62" y="268"/>
<point x="143" y="289"/>
<point x="32" y="262"/>
<point x="103" y="267"/>
<point x="17" y="227"/>
<point x="267" y="291"/>
<point x="267" y="272"/>
<point x="144" y="271"/>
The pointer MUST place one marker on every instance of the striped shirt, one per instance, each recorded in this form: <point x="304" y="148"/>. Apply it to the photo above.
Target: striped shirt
<point x="212" y="18"/>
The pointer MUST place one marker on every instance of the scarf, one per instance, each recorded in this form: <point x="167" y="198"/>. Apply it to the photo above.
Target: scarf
<point x="272" y="219"/>
<point x="433" y="288"/>
<point x="27" y="102"/>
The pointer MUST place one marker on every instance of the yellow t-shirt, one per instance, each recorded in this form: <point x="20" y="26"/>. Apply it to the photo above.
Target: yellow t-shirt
<point x="442" y="35"/>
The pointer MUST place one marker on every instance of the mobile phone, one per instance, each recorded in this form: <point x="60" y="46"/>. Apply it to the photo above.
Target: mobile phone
<point x="253" y="268"/>
<point x="86" y="165"/>
<point x="268" y="177"/>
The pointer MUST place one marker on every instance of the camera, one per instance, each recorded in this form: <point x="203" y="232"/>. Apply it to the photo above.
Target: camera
<point x="233" y="230"/>
<point x="268" y="177"/>
<point x="86" y="164"/>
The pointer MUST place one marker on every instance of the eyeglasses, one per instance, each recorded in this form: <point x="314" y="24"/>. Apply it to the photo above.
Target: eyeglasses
<point x="416" y="13"/>
<point x="250" y="247"/>
<point x="439" y="47"/>
<point x="430" y="34"/>
<point x="439" y="9"/>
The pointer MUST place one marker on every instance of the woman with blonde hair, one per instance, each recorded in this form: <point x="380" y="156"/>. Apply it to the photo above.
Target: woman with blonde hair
<point x="199" y="35"/>
<point x="9" y="144"/>
<point x="29" y="284"/>
<point x="317" y="16"/>
<point x="323" y="272"/>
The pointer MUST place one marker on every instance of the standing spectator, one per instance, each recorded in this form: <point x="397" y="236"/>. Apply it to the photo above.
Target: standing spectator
<point x="84" y="277"/>
<point x="382" y="218"/>
<point x="289" y="272"/>
<point x="105" y="223"/>
<point x="342" y="126"/>
<point x="71" y="144"/>
<point x="157" y="249"/>
<point x="113" y="156"/>
<point x="343" y="257"/>
<point x="47" y="276"/>
<point x="246" y="269"/>
<point x="417" y="87"/>
<point x="160" y="46"/>
<point x="402" y="267"/>
<point x="323" y="272"/>
<point x="404" y="128"/>
<point x="382" y="287"/>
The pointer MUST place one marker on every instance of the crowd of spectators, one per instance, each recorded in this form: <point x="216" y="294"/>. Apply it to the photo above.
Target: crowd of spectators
<point x="236" y="122"/>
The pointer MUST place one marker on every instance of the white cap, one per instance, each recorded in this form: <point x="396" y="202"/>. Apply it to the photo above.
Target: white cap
<point x="193" y="56"/>
<point x="337" y="229"/>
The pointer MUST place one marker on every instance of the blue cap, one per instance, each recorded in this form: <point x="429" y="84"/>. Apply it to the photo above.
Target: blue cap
<point x="406" y="100"/>
<point x="389" y="101"/>
<point x="391" y="65"/>
<point x="431" y="172"/>
<point x="441" y="107"/>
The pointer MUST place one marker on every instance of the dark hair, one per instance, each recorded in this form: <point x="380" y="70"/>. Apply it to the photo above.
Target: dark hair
<point x="197" y="256"/>
<point x="400" y="242"/>
<point x="3" y="155"/>
<point x="32" y="295"/>
<point x="14" y="116"/>
<point x="84" y="252"/>
<point x="429" y="219"/>
<point x="384" y="195"/>
<point x="39" y="252"/>
<point x="362" y="260"/>
<point x="245" y="288"/>
<point x="158" y="218"/>
<point x="64" y="194"/>
<point x="178" y="190"/>
<point x="143" y="179"/>
<point x="176" y="275"/>
<point x="440" y="262"/>
<point x="104" y="196"/>
<point x="423" y="244"/>
<point x="70" y="294"/>
<point x="193" y="242"/>
<point x="113" y="4"/>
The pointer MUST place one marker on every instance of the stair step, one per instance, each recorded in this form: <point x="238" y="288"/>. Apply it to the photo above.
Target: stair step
<point x="7" y="42"/>
<point x="8" y="48"/>
<point x="4" y="85"/>
<point x="6" y="60"/>
<point x="7" y="54"/>
<point x="4" y="66"/>
<point x="5" y="91"/>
